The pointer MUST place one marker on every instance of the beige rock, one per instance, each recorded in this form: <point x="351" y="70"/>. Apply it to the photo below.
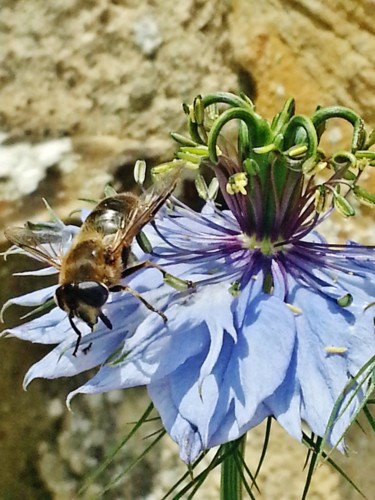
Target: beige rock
<point x="319" y="52"/>
<point x="109" y="68"/>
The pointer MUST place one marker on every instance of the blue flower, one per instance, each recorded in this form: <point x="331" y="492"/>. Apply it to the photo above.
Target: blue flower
<point x="244" y="353"/>
<point x="277" y="324"/>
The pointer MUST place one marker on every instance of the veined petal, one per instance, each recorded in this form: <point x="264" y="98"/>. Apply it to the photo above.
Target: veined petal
<point x="323" y="372"/>
<point x="181" y="431"/>
<point x="219" y="324"/>
<point x="334" y="279"/>
<point x="154" y="350"/>
<point x="269" y="334"/>
<point x="60" y="362"/>
<point x="285" y="403"/>
<point x="51" y="328"/>
<point x="260" y="359"/>
<point x="361" y="342"/>
<point x="195" y="405"/>
<point x="240" y="379"/>
<point x="31" y="299"/>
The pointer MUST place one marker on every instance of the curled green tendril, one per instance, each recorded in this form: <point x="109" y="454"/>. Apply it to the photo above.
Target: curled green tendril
<point x="258" y="131"/>
<point x="227" y="98"/>
<point x="231" y="100"/>
<point x="359" y="134"/>
<point x="343" y="161"/>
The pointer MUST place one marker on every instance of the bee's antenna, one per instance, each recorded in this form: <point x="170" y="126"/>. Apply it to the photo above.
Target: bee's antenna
<point x="75" y="328"/>
<point x="105" y="320"/>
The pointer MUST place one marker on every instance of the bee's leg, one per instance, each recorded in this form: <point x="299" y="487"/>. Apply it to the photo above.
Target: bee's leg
<point x="126" y="288"/>
<point x="77" y="332"/>
<point x="85" y="350"/>
<point x="106" y="321"/>
<point x="171" y="280"/>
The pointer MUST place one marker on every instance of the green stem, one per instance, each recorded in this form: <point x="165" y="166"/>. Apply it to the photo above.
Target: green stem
<point x="231" y="470"/>
<point x="282" y="118"/>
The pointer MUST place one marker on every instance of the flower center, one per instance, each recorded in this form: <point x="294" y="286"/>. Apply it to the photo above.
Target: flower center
<point x="265" y="246"/>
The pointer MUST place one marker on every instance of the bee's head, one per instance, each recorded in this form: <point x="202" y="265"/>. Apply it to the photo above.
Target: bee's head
<point x="83" y="300"/>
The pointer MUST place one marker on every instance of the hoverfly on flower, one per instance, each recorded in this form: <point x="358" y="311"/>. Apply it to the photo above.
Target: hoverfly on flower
<point x="99" y="256"/>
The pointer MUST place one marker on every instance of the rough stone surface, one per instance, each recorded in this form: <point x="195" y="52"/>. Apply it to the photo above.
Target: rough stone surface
<point x="320" y="52"/>
<point x="109" y="77"/>
<point x="106" y="67"/>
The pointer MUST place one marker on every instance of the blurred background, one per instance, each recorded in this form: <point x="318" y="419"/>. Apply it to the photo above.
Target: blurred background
<point x="86" y="89"/>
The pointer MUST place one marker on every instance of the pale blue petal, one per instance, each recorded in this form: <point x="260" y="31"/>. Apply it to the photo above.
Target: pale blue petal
<point x="31" y="299"/>
<point x="51" y="328"/>
<point x="229" y="401"/>
<point x="241" y="304"/>
<point x="285" y="403"/>
<point x="54" y="326"/>
<point x="153" y="351"/>
<point x="361" y="342"/>
<point x="60" y="362"/>
<point x="196" y="402"/>
<point x="219" y="322"/>
<point x="180" y="430"/>
<point x="323" y="375"/>
<point x="260" y="359"/>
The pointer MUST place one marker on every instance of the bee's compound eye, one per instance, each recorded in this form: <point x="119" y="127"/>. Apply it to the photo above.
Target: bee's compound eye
<point x="92" y="293"/>
<point x="59" y="297"/>
<point x="65" y="297"/>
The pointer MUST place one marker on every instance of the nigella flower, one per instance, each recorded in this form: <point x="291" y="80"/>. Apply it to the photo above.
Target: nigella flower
<point x="277" y="324"/>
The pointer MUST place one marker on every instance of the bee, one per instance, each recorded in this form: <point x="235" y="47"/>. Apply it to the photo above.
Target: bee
<point x="99" y="256"/>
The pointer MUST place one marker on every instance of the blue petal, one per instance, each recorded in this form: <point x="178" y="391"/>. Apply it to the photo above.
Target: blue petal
<point x="227" y="402"/>
<point x="285" y="403"/>
<point x="154" y="350"/>
<point x="31" y="299"/>
<point x="260" y="360"/>
<point x="361" y="342"/>
<point x="60" y="362"/>
<point x="323" y="375"/>
<point x="51" y="328"/>
<point x="180" y="430"/>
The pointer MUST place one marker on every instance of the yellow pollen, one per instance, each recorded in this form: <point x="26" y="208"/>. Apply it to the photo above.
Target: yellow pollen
<point x="237" y="183"/>
<point x="331" y="349"/>
<point x="294" y="309"/>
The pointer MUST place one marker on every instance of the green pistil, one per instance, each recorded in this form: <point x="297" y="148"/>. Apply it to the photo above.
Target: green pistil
<point x="265" y="246"/>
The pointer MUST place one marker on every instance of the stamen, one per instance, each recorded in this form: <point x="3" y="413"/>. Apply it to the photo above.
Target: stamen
<point x="294" y="309"/>
<point x="237" y="183"/>
<point x="331" y="349"/>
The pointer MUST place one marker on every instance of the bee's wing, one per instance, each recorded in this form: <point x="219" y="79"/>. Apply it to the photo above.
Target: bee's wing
<point x="145" y="210"/>
<point x="42" y="241"/>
